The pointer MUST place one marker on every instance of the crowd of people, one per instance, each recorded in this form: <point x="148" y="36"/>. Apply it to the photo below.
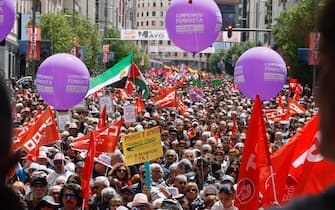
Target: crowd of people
<point x="198" y="170"/>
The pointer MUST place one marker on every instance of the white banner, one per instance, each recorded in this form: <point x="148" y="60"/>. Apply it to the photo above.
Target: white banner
<point x="62" y="119"/>
<point x="108" y="102"/>
<point x="129" y="113"/>
<point x="144" y="35"/>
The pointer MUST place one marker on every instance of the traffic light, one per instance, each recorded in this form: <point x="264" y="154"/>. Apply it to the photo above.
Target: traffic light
<point x="230" y="31"/>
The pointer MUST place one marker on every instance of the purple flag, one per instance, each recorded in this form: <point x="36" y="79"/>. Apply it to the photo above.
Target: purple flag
<point x="195" y="94"/>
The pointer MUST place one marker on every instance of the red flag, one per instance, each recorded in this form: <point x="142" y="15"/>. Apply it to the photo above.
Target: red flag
<point x="298" y="92"/>
<point x="181" y="106"/>
<point x="295" y="108"/>
<point x="98" y="93"/>
<point x="234" y="128"/>
<point x="255" y="156"/>
<point x="87" y="170"/>
<point x="233" y="88"/>
<point x="106" y="139"/>
<point x="292" y="84"/>
<point x="298" y="167"/>
<point x="130" y="87"/>
<point x="102" y="118"/>
<point x="180" y="82"/>
<point x="139" y="106"/>
<point x="33" y="52"/>
<point x="217" y="136"/>
<point x="168" y="99"/>
<point x="44" y="131"/>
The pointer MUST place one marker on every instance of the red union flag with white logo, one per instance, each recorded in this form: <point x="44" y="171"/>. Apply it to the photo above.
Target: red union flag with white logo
<point x="44" y="131"/>
<point x="255" y="157"/>
<point x="298" y="167"/>
<point x="168" y="99"/>
<point x="106" y="139"/>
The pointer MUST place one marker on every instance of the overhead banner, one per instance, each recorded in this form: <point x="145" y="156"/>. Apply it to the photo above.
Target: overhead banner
<point x="144" y="35"/>
<point x="142" y="146"/>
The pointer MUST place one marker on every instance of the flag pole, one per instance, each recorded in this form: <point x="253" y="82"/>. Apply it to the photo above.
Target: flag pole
<point x="274" y="186"/>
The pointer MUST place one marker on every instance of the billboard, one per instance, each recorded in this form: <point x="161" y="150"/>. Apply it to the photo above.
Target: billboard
<point x="144" y="35"/>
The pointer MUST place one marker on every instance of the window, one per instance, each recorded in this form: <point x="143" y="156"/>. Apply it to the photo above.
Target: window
<point x="160" y="42"/>
<point x="184" y="55"/>
<point x="141" y="23"/>
<point x="142" y="14"/>
<point x="161" y="13"/>
<point x="175" y="54"/>
<point x="161" y="23"/>
<point x="147" y="14"/>
<point x="153" y="14"/>
<point x="137" y="24"/>
<point x="137" y="14"/>
<point x="154" y="4"/>
<point x="147" y="23"/>
<point x="153" y="23"/>
<point x="162" y="4"/>
<point x="169" y="42"/>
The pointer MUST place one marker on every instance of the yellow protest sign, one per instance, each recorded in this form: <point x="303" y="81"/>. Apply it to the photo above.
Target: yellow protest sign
<point x="142" y="146"/>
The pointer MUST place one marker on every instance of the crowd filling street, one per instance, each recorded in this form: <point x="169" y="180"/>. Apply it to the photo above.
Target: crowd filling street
<point x="202" y="147"/>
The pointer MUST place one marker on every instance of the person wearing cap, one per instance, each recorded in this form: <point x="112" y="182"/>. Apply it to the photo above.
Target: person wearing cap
<point x="48" y="203"/>
<point x="102" y="165"/>
<point x="38" y="187"/>
<point x="127" y="194"/>
<point x="140" y="202"/>
<point x="59" y="163"/>
<point x="226" y="198"/>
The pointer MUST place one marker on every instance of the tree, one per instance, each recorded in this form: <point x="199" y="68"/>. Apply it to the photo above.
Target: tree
<point x="229" y="57"/>
<point x="123" y="48"/>
<point x="58" y="29"/>
<point x="292" y="32"/>
<point x="216" y="62"/>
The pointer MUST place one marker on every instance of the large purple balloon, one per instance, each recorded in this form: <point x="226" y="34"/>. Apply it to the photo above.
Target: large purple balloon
<point x="62" y="81"/>
<point x="262" y="71"/>
<point x="7" y="17"/>
<point x="193" y="27"/>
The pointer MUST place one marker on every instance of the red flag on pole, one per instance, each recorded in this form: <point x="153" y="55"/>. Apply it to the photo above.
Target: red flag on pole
<point x="299" y="168"/>
<point x="102" y="118"/>
<point x="234" y="128"/>
<point x="139" y="105"/>
<point x="255" y="156"/>
<point x="87" y="171"/>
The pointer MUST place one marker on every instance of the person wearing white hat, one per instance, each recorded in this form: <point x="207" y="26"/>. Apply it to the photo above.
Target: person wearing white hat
<point x="59" y="162"/>
<point x="140" y="201"/>
<point x="102" y="165"/>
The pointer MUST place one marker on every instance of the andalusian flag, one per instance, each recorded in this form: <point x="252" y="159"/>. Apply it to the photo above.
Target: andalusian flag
<point x="118" y="75"/>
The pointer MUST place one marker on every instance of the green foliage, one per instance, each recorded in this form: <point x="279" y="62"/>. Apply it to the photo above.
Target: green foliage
<point x="292" y="32"/>
<point x="58" y="29"/>
<point x="229" y="57"/>
<point x="123" y="48"/>
<point x="214" y="60"/>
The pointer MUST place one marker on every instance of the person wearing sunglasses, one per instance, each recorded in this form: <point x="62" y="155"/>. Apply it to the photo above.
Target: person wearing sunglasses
<point x="70" y="197"/>
<point x="119" y="176"/>
<point x="192" y="196"/>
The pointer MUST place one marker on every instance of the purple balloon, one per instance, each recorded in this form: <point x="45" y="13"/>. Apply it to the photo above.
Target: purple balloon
<point x="62" y="80"/>
<point x="7" y="17"/>
<point x="193" y="27"/>
<point x="262" y="71"/>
